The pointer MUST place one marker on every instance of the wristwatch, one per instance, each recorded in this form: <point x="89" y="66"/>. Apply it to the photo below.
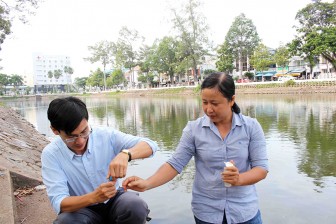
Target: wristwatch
<point x="126" y="151"/>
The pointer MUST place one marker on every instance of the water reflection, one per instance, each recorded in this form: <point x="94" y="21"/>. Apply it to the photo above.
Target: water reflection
<point x="300" y="135"/>
<point x="162" y="120"/>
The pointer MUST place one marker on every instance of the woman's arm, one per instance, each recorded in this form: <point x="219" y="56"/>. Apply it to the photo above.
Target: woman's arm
<point x="163" y="175"/>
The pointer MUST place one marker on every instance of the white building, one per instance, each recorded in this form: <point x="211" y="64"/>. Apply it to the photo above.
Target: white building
<point x="45" y="63"/>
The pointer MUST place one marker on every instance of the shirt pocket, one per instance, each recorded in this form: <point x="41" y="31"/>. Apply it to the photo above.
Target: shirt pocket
<point x="211" y="154"/>
<point x="238" y="149"/>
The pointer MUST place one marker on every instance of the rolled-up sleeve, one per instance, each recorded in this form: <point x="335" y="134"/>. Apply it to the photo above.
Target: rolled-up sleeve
<point x="55" y="180"/>
<point x="257" y="146"/>
<point x="185" y="150"/>
<point x="125" y="141"/>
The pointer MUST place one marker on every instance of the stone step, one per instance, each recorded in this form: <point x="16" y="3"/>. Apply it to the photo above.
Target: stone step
<point x="8" y="212"/>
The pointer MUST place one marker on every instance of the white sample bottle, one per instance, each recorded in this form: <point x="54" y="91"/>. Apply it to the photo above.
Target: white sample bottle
<point x="228" y="164"/>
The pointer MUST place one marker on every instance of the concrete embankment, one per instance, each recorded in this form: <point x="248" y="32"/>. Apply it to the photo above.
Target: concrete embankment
<point x="20" y="149"/>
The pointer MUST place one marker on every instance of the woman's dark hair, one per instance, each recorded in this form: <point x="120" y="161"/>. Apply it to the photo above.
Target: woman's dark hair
<point x="224" y="83"/>
<point x="67" y="113"/>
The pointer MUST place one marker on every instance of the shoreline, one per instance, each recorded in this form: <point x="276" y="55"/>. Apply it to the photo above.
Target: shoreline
<point x="253" y="90"/>
<point x="241" y="89"/>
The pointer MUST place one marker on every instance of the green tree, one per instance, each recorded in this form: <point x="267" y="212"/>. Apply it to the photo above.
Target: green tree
<point x="102" y="52"/>
<point x="4" y="81"/>
<point x="165" y="57"/>
<point x="281" y="56"/>
<point x="316" y="32"/>
<point x="298" y="48"/>
<point x="50" y="74"/>
<point x="145" y="58"/>
<point x="117" y="78"/>
<point x="68" y="71"/>
<point x="241" y="40"/>
<point x="16" y="80"/>
<point x="95" y="79"/>
<point x="58" y="73"/>
<point x="81" y="82"/>
<point x="249" y="75"/>
<point x="192" y="29"/>
<point x="28" y="90"/>
<point x="209" y="71"/>
<point x="142" y="78"/>
<point x="15" y="9"/>
<point x="127" y="49"/>
<point x="262" y="58"/>
<point x="225" y="59"/>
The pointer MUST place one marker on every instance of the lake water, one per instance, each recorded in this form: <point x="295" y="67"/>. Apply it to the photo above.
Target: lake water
<point x="300" y="133"/>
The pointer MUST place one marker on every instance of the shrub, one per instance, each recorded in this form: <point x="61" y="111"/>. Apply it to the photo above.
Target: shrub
<point x="197" y="89"/>
<point x="290" y="83"/>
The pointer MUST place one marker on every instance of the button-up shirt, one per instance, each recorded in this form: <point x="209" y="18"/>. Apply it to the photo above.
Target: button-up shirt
<point x="66" y="174"/>
<point x="245" y="144"/>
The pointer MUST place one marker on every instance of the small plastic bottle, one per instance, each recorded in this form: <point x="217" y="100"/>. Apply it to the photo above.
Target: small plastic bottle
<point x="228" y="164"/>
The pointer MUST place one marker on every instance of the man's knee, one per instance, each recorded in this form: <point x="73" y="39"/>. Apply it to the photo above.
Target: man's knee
<point x="139" y="208"/>
<point x="132" y="209"/>
<point x="83" y="216"/>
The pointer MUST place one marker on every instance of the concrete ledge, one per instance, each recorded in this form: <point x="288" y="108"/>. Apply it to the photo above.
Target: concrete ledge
<point x="8" y="207"/>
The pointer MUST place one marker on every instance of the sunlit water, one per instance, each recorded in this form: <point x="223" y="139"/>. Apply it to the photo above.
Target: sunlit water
<point x="300" y="135"/>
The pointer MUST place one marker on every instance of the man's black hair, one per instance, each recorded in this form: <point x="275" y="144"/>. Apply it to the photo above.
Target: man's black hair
<point x="66" y="113"/>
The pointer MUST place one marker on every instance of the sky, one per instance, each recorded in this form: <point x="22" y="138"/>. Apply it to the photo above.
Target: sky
<point x="68" y="27"/>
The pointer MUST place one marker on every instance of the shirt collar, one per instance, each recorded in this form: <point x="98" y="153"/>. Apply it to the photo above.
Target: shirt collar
<point x="68" y="151"/>
<point x="64" y="148"/>
<point x="206" y="121"/>
<point x="236" y="121"/>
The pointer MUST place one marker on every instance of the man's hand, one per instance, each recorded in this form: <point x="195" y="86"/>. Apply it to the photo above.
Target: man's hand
<point x="135" y="183"/>
<point x="118" y="166"/>
<point x="105" y="191"/>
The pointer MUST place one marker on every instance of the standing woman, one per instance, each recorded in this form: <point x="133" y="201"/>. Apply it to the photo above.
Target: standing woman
<point x="223" y="134"/>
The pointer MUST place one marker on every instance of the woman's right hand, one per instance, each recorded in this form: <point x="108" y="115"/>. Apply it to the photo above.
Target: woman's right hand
<point x="135" y="183"/>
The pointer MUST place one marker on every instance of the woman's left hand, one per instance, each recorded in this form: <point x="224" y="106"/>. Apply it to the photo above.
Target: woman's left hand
<point x="231" y="175"/>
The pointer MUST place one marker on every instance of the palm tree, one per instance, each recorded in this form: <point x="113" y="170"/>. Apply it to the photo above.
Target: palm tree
<point x="69" y="71"/>
<point x="16" y="80"/>
<point x="50" y="76"/>
<point x="4" y="81"/>
<point x="58" y="73"/>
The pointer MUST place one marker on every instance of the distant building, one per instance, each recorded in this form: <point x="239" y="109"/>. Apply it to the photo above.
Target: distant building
<point x="132" y="76"/>
<point x="43" y="64"/>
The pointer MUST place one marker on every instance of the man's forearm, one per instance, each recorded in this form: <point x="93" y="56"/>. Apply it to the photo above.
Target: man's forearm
<point x="141" y="150"/>
<point x="74" y="203"/>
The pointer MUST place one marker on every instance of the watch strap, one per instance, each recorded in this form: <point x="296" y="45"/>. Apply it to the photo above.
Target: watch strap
<point x="128" y="153"/>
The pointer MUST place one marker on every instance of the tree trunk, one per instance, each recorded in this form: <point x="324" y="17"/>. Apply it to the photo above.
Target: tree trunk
<point x="240" y="65"/>
<point x="104" y="77"/>
<point x="195" y="70"/>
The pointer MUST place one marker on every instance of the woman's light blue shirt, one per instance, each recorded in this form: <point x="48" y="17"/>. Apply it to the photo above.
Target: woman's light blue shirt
<point x="66" y="174"/>
<point x="245" y="144"/>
